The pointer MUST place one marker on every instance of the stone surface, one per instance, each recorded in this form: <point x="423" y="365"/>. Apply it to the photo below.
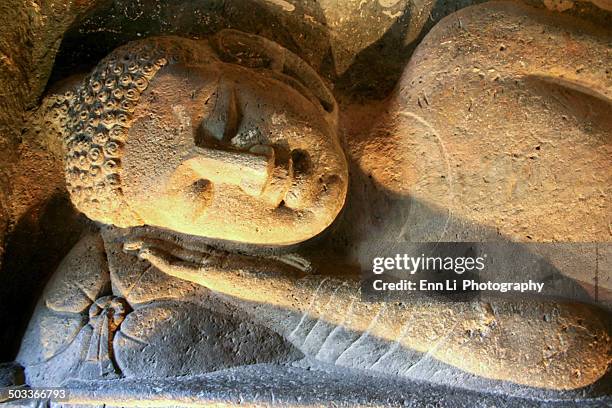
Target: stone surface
<point x="471" y="166"/>
<point x="265" y="385"/>
<point x="489" y="126"/>
<point x="491" y="123"/>
<point x="251" y="156"/>
<point x="326" y="319"/>
<point x="11" y="374"/>
<point x="30" y="36"/>
<point x="411" y="182"/>
<point x="94" y="323"/>
<point x="190" y="340"/>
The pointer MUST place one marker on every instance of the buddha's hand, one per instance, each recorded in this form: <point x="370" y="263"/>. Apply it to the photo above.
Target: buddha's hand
<point x="184" y="262"/>
<point x="204" y="264"/>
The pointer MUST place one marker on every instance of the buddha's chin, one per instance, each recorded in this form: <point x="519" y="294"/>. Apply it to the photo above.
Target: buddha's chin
<point x="276" y="225"/>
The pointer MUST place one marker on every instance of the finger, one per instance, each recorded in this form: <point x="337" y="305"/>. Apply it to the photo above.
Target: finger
<point x="171" y="265"/>
<point x="157" y="258"/>
<point x="132" y="245"/>
<point x="294" y="260"/>
<point x="195" y="257"/>
<point x="201" y="247"/>
<point x="189" y="254"/>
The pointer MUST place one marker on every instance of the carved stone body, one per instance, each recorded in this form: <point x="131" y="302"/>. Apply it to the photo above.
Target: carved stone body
<point x="235" y="140"/>
<point x="206" y="138"/>
<point x="326" y="318"/>
<point x="109" y="315"/>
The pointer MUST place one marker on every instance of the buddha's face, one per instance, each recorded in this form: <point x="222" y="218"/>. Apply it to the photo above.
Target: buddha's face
<point x="223" y="151"/>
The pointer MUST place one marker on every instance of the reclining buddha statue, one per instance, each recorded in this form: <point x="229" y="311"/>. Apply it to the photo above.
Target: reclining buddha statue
<point x="200" y="160"/>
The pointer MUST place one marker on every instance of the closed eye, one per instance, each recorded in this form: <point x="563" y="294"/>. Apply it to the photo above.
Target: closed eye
<point x="224" y="119"/>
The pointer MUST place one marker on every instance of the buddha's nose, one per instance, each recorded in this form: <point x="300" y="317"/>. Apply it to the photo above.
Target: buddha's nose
<point x="251" y="170"/>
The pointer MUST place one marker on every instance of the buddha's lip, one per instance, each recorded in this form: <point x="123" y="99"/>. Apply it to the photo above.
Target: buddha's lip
<point x="279" y="182"/>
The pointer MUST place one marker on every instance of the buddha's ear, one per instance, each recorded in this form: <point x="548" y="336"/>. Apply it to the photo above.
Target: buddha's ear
<point x="257" y="52"/>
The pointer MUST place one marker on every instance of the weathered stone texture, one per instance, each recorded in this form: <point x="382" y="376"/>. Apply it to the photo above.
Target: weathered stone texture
<point x="494" y="124"/>
<point x="497" y="129"/>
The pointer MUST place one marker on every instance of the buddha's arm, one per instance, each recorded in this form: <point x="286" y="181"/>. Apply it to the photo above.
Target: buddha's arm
<point x="542" y="344"/>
